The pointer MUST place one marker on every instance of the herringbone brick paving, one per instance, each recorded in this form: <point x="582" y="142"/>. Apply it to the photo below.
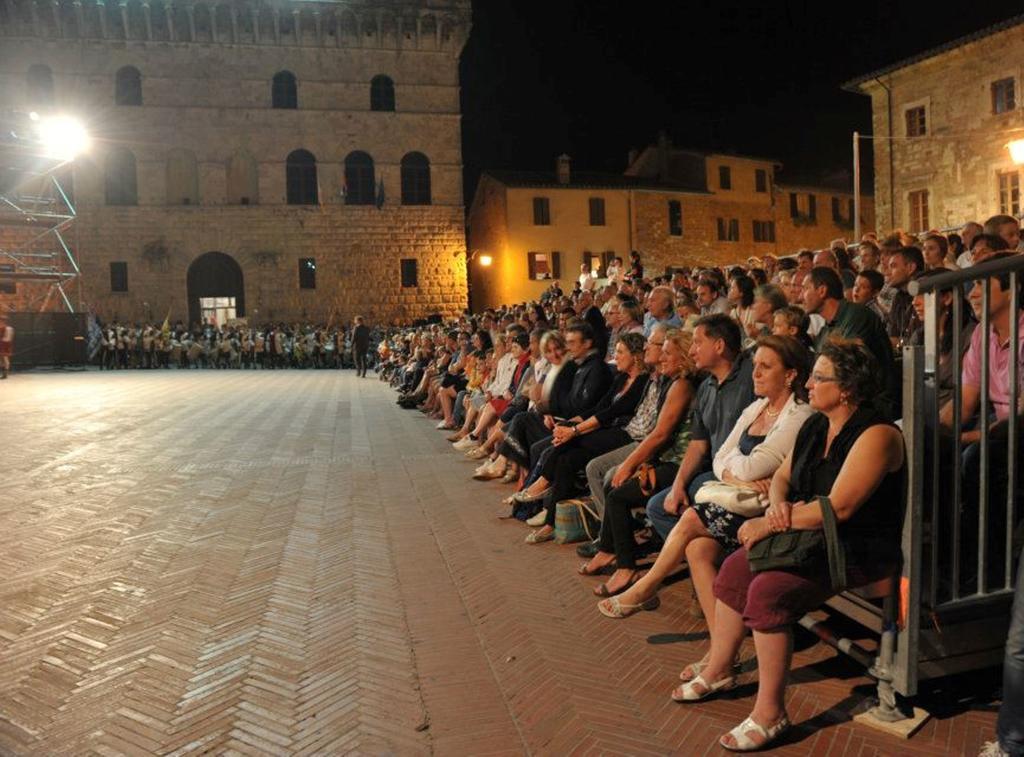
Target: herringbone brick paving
<point x="287" y="563"/>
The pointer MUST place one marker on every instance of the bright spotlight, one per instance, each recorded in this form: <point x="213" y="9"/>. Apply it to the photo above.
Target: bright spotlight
<point x="486" y="260"/>
<point x="1016" y="148"/>
<point x="63" y="137"/>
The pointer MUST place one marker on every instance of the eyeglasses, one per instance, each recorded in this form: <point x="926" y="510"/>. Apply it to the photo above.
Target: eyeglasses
<point x="817" y="378"/>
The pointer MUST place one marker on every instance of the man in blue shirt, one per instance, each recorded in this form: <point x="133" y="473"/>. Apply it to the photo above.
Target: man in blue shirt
<point x="721" y="398"/>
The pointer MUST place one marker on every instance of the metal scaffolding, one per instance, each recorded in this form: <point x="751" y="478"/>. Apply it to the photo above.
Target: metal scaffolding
<point x="36" y="211"/>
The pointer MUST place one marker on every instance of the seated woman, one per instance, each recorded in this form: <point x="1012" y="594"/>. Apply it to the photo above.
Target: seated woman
<point x="518" y="342"/>
<point x="849" y="451"/>
<point x="625" y="478"/>
<point x="530" y="391"/>
<point x="578" y="441"/>
<point x="454" y="381"/>
<point x="759" y="442"/>
<point x="580" y="386"/>
<point x="476" y="399"/>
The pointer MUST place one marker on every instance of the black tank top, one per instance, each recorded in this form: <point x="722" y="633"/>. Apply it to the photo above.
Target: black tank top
<point x="872" y="534"/>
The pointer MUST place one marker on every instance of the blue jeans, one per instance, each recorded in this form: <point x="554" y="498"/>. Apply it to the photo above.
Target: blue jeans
<point x="662" y="521"/>
<point x="1010" y="728"/>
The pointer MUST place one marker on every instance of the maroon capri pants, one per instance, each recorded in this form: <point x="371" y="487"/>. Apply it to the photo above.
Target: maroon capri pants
<point x="773" y="599"/>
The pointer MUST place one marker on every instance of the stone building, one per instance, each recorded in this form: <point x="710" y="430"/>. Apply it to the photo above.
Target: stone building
<point x="676" y="207"/>
<point x="940" y="124"/>
<point x="274" y="160"/>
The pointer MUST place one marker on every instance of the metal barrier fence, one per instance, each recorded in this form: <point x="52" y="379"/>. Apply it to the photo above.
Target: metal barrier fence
<point x="958" y="539"/>
<point x="948" y="610"/>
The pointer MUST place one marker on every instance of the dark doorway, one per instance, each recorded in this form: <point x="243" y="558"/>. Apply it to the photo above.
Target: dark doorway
<point x="214" y="275"/>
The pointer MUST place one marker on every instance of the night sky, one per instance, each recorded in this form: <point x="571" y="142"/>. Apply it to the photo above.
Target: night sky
<point x="593" y="77"/>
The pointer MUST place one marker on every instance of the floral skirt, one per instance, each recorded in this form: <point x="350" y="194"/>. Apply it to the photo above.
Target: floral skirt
<point x="721" y="524"/>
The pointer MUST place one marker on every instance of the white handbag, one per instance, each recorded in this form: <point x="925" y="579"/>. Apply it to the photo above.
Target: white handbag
<point x="735" y="499"/>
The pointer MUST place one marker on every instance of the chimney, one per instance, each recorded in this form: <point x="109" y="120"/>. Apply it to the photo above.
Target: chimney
<point x="563" y="169"/>
<point x="664" y="153"/>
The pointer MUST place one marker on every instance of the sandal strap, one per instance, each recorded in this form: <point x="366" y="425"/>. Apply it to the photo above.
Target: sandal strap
<point x="746" y="744"/>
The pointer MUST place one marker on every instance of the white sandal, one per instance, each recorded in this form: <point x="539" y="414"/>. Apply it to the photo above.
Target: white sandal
<point x="746" y="744"/>
<point x="688" y="691"/>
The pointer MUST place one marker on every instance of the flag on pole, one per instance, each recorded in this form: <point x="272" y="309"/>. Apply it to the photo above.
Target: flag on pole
<point x="166" y="328"/>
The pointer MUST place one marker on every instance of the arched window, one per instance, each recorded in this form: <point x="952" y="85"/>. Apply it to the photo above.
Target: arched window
<point x="119" y="178"/>
<point x="284" y="93"/>
<point x="182" y="178"/>
<point x="128" y="86"/>
<point x="359" y="182"/>
<point x="415" y="179"/>
<point x="300" y="178"/>
<point x="39" y="83"/>
<point x="382" y="93"/>
<point x="243" y="179"/>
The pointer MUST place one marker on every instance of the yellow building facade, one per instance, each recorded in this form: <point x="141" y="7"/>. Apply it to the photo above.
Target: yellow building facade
<point x="676" y="208"/>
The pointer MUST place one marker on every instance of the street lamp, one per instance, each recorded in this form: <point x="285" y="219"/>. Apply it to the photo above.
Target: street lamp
<point x="1016" y="148"/>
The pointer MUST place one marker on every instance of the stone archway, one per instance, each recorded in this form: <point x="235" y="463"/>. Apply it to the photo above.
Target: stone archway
<point x="215" y="276"/>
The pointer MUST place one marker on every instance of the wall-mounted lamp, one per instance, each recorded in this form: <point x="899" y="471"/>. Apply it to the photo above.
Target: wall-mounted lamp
<point x="486" y="260"/>
<point x="1016" y="148"/>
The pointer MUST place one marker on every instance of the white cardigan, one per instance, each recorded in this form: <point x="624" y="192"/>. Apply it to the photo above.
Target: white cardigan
<point x="767" y="456"/>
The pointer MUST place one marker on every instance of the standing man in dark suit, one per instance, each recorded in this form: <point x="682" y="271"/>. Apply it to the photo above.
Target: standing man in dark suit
<point x="360" y="345"/>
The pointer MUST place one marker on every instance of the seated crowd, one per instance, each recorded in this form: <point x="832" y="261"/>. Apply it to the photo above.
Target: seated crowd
<point x="700" y="413"/>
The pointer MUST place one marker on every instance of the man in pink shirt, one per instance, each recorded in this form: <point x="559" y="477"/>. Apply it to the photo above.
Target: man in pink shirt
<point x="998" y="354"/>
<point x="1000" y="349"/>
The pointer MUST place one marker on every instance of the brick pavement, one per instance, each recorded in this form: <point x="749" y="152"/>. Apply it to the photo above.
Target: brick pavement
<point x="287" y="563"/>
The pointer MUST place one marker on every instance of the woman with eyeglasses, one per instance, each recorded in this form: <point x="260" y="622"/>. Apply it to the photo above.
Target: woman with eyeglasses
<point x="848" y="451"/>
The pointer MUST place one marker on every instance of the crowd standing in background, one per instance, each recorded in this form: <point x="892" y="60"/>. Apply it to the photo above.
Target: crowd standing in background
<point x="686" y="418"/>
<point x="236" y="345"/>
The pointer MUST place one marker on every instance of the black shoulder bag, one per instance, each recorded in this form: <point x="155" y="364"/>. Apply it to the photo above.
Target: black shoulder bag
<point x="804" y="551"/>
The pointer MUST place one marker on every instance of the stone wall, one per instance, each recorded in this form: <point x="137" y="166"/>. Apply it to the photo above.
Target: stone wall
<point x="206" y="94"/>
<point x="959" y="159"/>
<point x="357" y="253"/>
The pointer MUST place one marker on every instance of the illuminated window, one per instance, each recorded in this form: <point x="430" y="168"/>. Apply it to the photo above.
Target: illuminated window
<point x="919" y="210"/>
<point x="1009" y="193"/>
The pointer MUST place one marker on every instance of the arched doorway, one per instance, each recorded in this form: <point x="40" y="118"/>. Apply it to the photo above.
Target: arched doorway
<point x="216" y="290"/>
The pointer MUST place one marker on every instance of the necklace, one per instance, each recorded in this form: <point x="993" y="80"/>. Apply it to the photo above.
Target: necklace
<point x="771" y="413"/>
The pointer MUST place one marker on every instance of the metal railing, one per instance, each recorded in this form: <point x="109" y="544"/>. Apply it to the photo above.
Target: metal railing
<point x="958" y="576"/>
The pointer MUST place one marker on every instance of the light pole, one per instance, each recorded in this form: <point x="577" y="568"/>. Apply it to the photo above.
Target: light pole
<point x="856" y="188"/>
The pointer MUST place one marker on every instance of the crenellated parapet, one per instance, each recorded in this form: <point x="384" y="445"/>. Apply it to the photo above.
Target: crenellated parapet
<point x="441" y="25"/>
